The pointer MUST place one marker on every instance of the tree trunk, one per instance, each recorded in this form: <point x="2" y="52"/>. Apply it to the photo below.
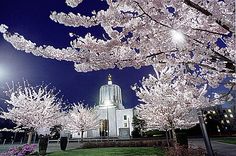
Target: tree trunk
<point x="30" y="137"/>
<point x="170" y="135"/>
<point x="167" y="139"/>
<point x="174" y="137"/>
<point x="82" y="133"/>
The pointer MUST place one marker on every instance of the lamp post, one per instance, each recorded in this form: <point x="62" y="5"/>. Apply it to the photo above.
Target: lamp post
<point x="204" y="133"/>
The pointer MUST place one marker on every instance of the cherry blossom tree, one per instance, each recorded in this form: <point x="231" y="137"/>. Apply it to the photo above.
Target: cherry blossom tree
<point x="35" y="108"/>
<point x="169" y="103"/>
<point x="141" y="33"/>
<point x="63" y="122"/>
<point x="82" y="119"/>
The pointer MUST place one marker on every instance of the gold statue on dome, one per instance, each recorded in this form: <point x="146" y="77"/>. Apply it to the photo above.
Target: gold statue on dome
<point x="109" y="77"/>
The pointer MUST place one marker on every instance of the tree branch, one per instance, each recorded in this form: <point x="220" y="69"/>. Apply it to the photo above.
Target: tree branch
<point x="205" y="12"/>
<point x="207" y="66"/>
<point x="144" y="12"/>
<point x="226" y="94"/>
<point x="230" y="63"/>
<point x="212" y="32"/>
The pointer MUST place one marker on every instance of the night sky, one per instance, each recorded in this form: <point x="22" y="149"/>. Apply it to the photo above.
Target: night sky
<point x="30" y="18"/>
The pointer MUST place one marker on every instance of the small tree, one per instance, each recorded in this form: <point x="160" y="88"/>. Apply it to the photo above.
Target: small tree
<point x="82" y="119"/>
<point x="138" y="125"/>
<point x="35" y="108"/>
<point x="168" y="102"/>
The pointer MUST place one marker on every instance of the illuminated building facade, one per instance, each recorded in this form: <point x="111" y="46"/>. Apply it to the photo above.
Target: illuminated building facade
<point x="115" y="120"/>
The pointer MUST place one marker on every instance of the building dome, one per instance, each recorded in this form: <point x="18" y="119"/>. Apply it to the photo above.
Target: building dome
<point x="110" y="95"/>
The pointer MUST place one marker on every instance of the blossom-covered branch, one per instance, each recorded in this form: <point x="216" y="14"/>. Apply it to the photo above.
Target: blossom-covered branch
<point x="168" y="102"/>
<point x="81" y="119"/>
<point x="141" y="33"/>
<point x="36" y="108"/>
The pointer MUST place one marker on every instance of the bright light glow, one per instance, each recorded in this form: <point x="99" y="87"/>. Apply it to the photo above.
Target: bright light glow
<point x="229" y="110"/>
<point x="226" y="115"/>
<point x="107" y="102"/>
<point x="177" y="37"/>
<point x="231" y="115"/>
<point x="213" y="112"/>
<point x="2" y="72"/>
<point x="227" y="121"/>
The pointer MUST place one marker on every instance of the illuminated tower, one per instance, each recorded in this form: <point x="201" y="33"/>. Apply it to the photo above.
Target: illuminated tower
<point x="115" y="120"/>
<point x="110" y="95"/>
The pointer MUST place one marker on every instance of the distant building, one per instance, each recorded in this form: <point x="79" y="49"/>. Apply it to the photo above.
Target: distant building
<point x="115" y="120"/>
<point x="222" y="118"/>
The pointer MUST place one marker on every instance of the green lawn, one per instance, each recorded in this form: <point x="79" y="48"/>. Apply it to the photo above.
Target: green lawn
<point x="118" y="151"/>
<point x="228" y="140"/>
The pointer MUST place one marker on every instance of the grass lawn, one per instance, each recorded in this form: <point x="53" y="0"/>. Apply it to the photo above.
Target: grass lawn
<point x="113" y="151"/>
<point x="228" y="140"/>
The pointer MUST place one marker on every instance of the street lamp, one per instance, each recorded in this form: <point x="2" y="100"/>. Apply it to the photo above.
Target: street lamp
<point x="204" y="133"/>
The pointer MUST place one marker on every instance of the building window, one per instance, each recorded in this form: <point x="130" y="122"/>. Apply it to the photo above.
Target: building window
<point x="125" y="117"/>
<point x="125" y="125"/>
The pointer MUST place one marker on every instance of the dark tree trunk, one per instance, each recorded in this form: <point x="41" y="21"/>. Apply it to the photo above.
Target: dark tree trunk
<point x="167" y="139"/>
<point x="30" y="137"/>
<point x="82" y="137"/>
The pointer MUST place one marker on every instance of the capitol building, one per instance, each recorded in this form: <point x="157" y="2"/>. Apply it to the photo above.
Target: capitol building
<point x="114" y="119"/>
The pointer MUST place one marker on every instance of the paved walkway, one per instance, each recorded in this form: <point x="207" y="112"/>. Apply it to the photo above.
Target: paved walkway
<point x="222" y="149"/>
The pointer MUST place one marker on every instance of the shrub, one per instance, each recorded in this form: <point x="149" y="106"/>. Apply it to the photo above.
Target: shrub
<point x="126" y="143"/>
<point x="20" y="151"/>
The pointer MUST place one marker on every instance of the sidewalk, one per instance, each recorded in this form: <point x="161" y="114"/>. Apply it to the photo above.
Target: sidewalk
<point x="222" y="149"/>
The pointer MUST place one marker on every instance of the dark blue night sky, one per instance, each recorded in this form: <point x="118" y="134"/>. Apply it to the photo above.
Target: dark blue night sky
<point x="31" y="19"/>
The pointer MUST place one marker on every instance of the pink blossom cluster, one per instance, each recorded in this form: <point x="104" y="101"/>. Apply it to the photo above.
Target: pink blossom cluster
<point x="20" y="151"/>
